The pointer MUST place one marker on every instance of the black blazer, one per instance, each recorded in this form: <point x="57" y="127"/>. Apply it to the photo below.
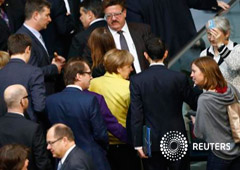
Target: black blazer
<point x="77" y="160"/>
<point x="15" y="129"/>
<point x="80" y="40"/>
<point x="157" y="95"/>
<point x="18" y="72"/>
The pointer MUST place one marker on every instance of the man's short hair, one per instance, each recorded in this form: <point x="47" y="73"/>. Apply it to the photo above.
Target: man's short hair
<point x="13" y="156"/>
<point x="73" y="66"/>
<point x="107" y="3"/>
<point x="17" y="43"/>
<point x="155" y="48"/>
<point x="35" y="5"/>
<point x="94" y="6"/>
<point x="62" y="130"/>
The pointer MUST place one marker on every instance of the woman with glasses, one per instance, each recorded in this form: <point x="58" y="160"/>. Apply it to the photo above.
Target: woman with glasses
<point x="114" y="86"/>
<point x="224" y="51"/>
<point x="212" y="122"/>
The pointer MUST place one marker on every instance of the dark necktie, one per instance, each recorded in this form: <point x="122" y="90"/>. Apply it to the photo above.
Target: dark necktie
<point x="4" y="16"/>
<point x="123" y="41"/>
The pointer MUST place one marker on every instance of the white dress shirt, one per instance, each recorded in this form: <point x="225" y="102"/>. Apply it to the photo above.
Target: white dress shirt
<point x="130" y="43"/>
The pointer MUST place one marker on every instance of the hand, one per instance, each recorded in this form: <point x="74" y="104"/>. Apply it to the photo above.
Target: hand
<point x="223" y="5"/>
<point x="218" y="36"/>
<point x="141" y="153"/>
<point x="193" y="118"/>
<point x="59" y="58"/>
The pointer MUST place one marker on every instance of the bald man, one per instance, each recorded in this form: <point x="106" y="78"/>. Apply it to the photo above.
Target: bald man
<point x="14" y="128"/>
<point x="60" y="140"/>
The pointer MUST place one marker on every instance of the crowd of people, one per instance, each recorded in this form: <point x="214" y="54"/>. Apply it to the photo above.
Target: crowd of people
<point x="79" y="99"/>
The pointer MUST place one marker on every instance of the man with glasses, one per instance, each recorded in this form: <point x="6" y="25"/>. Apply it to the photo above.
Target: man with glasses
<point x="80" y="111"/>
<point x="17" y="71"/>
<point x="127" y="36"/>
<point x="60" y="141"/>
<point x="15" y="128"/>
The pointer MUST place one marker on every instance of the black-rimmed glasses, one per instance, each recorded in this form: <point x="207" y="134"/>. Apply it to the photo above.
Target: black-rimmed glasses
<point x="52" y="142"/>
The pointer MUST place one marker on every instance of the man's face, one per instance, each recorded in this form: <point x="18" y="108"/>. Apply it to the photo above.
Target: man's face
<point x="84" y="18"/>
<point x="55" y="145"/>
<point x="43" y="18"/>
<point x="86" y="78"/>
<point x="115" y="16"/>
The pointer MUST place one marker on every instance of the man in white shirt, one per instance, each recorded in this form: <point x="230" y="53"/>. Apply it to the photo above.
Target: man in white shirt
<point x="60" y="141"/>
<point x="127" y="36"/>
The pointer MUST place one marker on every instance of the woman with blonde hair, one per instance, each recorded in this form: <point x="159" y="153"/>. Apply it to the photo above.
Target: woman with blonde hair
<point x="114" y="86"/>
<point x="4" y="58"/>
<point x="100" y="42"/>
<point x="212" y="122"/>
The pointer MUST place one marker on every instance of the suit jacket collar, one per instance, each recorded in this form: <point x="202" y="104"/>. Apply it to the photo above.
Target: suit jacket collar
<point x="71" y="89"/>
<point x="65" y="163"/>
<point x="16" y="60"/>
<point x="97" y="24"/>
<point x="15" y="115"/>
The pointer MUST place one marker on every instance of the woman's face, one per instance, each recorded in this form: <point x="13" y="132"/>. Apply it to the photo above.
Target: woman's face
<point x="125" y="71"/>
<point x="216" y="36"/>
<point x="197" y="75"/>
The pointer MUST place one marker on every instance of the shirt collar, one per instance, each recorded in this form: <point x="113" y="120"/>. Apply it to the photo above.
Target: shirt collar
<point x="154" y="64"/>
<point x="75" y="86"/>
<point x="96" y="20"/>
<point x="67" y="153"/>
<point x="124" y="29"/>
<point x="18" y="113"/>
<point x="230" y="46"/>
<point x="34" y="31"/>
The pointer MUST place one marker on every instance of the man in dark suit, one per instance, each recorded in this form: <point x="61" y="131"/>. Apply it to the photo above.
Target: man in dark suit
<point x="171" y="20"/>
<point x="11" y="19"/>
<point x="17" y="71"/>
<point x="127" y="36"/>
<point x="60" y="140"/>
<point x="37" y="18"/>
<point x="80" y="111"/>
<point x="15" y="129"/>
<point x="91" y="17"/>
<point x="157" y="96"/>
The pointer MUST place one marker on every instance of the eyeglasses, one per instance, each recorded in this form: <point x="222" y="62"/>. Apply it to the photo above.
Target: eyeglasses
<point x="52" y="142"/>
<point x="87" y="72"/>
<point x="109" y="16"/>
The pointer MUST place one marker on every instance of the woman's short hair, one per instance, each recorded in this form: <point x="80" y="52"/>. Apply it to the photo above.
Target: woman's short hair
<point x="115" y="59"/>
<point x="221" y="23"/>
<point x="213" y="77"/>
<point x="4" y="58"/>
<point x="100" y="42"/>
<point x="13" y="156"/>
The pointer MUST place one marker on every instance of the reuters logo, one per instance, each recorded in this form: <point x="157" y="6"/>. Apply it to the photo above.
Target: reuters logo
<point x="174" y="145"/>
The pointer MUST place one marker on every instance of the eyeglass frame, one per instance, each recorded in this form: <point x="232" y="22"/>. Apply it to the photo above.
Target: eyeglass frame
<point x="116" y="14"/>
<point x="52" y="142"/>
<point x="87" y="72"/>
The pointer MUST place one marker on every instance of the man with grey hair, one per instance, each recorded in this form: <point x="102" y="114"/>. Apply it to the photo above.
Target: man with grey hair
<point x="14" y="128"/>
<point x="60" y="140"/>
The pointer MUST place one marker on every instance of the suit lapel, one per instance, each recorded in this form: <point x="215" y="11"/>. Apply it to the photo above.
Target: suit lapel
<point x="66" y="162"/>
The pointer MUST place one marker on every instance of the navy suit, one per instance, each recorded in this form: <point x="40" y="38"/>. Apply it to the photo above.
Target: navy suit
<point x="77" y="160"/>
<point x="40" y="58"/>
<point x="157" y="96"/>
<point x="80" y="111"/>
<point x="15" y="129"/>
<point x="18" y="72"/>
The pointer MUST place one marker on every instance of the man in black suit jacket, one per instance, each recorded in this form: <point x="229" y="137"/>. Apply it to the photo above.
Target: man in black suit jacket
<point x="171" y="20"/>
<point x="17" y="71"/>
<point x="60" y="140"/>
<point x="135" y="34"/>
<point x="91" y="18"/>
<point x="15" y="129"/>
<point x="36" y="20"/>
<point x="14" y="12"/>
<point x="157" y="96"/>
